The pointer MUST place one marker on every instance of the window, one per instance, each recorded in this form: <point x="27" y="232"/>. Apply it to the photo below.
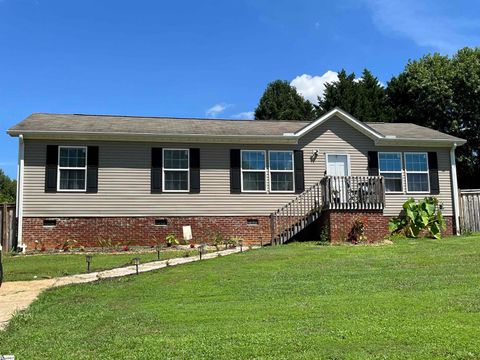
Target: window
<point x="176" y="170"/>
<point x="72" y="168"/>
<point x="281" y="171"/>
<point x="416" y="168"/>
<point x="253" y="170"/>
<point x="390" y="167"/>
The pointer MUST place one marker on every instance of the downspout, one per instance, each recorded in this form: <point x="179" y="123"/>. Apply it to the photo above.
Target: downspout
<point x="20" y="169"/>
<point x="456" y="205"/>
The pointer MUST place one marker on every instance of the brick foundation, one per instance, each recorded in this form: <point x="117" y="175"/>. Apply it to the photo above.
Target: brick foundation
<point x="340" y="224"/>
<point x="140" y="230"/>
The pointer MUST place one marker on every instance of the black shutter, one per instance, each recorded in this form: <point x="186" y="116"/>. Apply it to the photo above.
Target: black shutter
<point x="156" y="172"/>
<point x="373" y="163"/>
<point x="299" y="171"/>
<point x="92" y="169"/>
<point x="235" y="183"/>
<point x="433" y="173"/>
<point x="51" y="165"/>
<point x="194" y="171"/>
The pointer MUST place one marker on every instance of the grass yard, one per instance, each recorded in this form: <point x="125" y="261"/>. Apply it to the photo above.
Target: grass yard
<point x="417" y="299"/>
<point x="30" y="267"/>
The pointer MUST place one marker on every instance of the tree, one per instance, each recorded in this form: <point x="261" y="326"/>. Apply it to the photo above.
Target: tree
<point x="443" y="93"/>
<point x="372" y="104"/>
<point x="341" y="93"/>
<point x="281" y="101"/>
<point x="364" y="98"/>
<point x="8" y="188"/>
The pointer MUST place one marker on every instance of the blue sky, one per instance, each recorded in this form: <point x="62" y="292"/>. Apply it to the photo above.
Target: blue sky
<point x="204" y="58"/>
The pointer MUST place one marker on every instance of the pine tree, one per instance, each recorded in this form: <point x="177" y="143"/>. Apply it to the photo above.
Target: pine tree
<point x="281" y="101"/>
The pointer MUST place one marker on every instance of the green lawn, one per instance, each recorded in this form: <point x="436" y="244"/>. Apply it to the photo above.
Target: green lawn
<point x="412" y="300"/>
<point x="30" y="267"/>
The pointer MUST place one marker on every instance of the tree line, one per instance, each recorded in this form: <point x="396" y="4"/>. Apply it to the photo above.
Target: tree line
<point x="8" y="188"/>
<point x="437" y="91"/>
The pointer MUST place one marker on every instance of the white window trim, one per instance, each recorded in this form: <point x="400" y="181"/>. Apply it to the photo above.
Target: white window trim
<point x="392" y="172"/>
<point x="281" y="171"/>
<point x="72" y="168"/>
<point x="341" y="154"/>
<point x="179" y="170"/>
<point x="417" y="172"/>
<point x="250" y="170"/>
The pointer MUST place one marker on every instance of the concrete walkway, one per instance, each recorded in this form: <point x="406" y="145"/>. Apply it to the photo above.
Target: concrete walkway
<point x="18" y="295"/>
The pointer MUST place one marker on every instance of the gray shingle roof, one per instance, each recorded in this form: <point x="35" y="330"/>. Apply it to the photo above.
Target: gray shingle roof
<point x="409" y="131"/>
<point x="138" y="125"/>
<point x="41" y="122"/>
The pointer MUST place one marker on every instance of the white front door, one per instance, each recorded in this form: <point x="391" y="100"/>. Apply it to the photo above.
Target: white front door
<point x="337" y="165"/>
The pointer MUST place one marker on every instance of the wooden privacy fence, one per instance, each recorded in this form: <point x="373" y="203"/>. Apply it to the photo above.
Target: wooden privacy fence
<point x="7" y="226"/>
<point x="470" y="210"/>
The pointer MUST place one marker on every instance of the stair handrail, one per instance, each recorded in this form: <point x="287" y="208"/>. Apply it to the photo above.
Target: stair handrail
<point x="296" y="210"/>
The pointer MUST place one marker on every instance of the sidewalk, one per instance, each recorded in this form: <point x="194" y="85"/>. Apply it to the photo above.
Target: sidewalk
<point x="18" y="295"/>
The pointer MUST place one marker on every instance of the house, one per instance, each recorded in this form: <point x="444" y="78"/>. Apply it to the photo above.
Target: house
<point x="132" y="178"/>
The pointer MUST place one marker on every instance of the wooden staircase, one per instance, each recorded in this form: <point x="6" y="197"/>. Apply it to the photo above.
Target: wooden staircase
<point x="340" y="193"/>
<point x="296" y="215"/>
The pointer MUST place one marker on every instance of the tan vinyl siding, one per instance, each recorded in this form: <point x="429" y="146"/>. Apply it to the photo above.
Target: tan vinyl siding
<point x="124" y="178"/>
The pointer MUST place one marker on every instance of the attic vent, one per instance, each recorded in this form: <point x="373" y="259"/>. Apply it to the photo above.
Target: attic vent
<point x="252" y="221"/>
<point x="49" y="222"/>
<point x="161" y="222"/>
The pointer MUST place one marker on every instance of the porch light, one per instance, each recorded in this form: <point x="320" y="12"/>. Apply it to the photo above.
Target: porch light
<point x="88" y="259"/>
<point x="136" y="262"/>
<point x="202" y="250"/>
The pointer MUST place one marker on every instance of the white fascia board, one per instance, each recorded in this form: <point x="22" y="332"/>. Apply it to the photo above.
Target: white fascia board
<point x="191" y="138"/>
<point x="355" y="123"/>
<point x="418" y="142"/>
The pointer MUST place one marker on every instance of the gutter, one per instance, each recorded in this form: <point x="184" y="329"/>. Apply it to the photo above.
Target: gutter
<point x="19" y="207"/>
<point x="456" y="204"/>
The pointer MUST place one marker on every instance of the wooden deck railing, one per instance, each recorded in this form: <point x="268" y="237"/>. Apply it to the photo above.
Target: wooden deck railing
<point x="353" y="192"/>
<point x="296" y="215"/>
<point x="331" y="193"/>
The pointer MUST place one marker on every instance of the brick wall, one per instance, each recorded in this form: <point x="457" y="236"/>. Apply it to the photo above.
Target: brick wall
<point x="140" y="230"/>
<point x="340" y="224"/>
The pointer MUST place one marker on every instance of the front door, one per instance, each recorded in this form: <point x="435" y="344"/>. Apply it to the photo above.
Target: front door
<point x="337" y="165"/>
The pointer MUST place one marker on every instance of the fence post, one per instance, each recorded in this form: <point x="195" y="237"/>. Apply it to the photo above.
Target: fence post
<point x="4" y="235"/>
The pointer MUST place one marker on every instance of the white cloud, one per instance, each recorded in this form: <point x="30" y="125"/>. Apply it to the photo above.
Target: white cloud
<point x="310" y="87"/>
<point x="425" y="23"/>
<point x="217" y="109"/>
<point x="246" y="115"/>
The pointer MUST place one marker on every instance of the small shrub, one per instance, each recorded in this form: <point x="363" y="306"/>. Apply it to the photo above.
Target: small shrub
<point x="171" y="239"/>
<point x="357" y="233"/>
<point x="424" y="216"/>
<point x="324" y="236"/>
<point x="217" y="240"/>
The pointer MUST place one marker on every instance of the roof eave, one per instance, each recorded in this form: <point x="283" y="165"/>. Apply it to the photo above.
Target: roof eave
<point x="420" y="142"/>
<point x="194" y="138"/>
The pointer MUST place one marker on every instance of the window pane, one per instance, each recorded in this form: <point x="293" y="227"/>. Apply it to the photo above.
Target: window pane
<point x="176" y="180"/>
<point x="254" y="181"/>
<point x="72" y="179"/>
<point x="282" y="181"/>
<point x="72" y="157"/>
<point x="253" y="160"/>
<point x="393" y="182"/>
<point x="416" y="162"/>
<point x="281" y="160"/>
<point x="175" y="159"/>
<point x="417" y="182"/>
<point x="390" y="162"/>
